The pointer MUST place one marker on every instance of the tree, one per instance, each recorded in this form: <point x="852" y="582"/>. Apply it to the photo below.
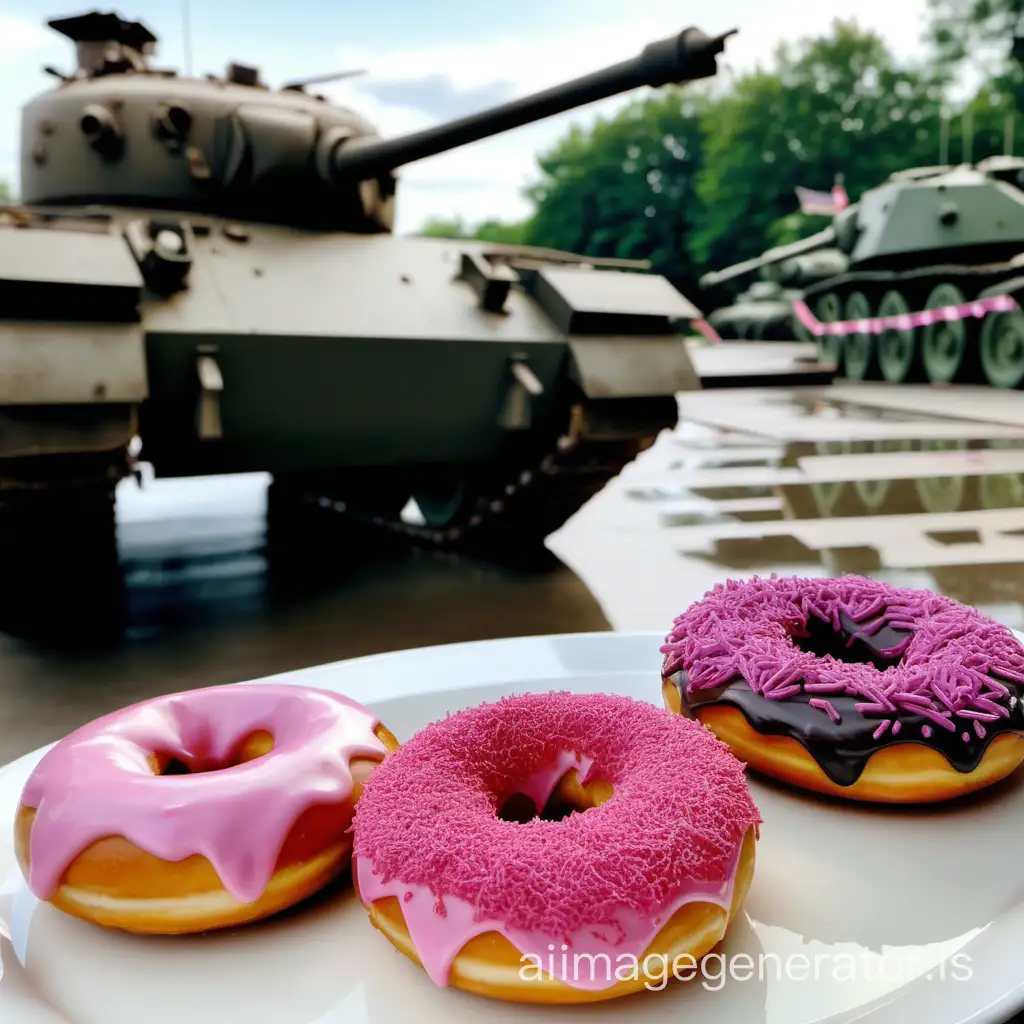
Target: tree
<point x="625" y="186"/>
<point x="986" y="123"/>
<point x="836" y="105"/>
<point x="959" y="29"/>
<point x="442" y="227"/>
<point x="983" y="35"/>
<point x="507" y="232"/>
<point x="6" y="193"/>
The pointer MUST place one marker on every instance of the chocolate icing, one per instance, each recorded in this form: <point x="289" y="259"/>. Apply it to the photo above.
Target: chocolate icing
<point x="849" y="665"/>
<point x="842" y="748"/>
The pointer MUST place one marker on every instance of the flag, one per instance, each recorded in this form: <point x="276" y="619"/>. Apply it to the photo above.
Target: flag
<point x="822" y="204"/>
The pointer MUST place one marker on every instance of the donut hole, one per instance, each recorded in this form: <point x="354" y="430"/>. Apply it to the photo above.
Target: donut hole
<point x="823" y="640"/>
<point x="253" y="746"/>
<point x="569" y="796"/>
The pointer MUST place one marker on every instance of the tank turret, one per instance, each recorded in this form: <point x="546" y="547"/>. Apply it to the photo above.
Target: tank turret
<point x="117" y="131"/>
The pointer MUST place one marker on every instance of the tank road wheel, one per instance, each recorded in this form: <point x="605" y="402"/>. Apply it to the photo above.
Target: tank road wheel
<point x="946" y="349"/>
<point x="898" y="354"/>
<point x="1002" y="349"/>
<point x="797" y="329"/>
<point x="861" y="348"/>
<point x="828" y="310"/>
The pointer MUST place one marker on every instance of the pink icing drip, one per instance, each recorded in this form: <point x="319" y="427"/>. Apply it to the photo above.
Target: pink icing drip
<point x="427" y="828"/>
<point x="97" y="782"/>
<point x="541" y="784"/>
<point x="954" y="661"/>
<point x="438" y="939"/>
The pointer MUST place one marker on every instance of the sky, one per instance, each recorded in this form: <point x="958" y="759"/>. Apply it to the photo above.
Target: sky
<point x="426" y="62"/>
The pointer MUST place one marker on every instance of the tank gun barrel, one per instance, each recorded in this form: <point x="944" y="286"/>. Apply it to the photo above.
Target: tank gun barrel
<point x="687" y="57"/>
<point x="820" y="240"/>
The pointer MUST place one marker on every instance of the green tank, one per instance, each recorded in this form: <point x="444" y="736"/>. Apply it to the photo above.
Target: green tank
<point x="202" y="274"/>
<point x="928" y="239"/>
<point x="764" y="312"/>
<point x="772" y="281"/>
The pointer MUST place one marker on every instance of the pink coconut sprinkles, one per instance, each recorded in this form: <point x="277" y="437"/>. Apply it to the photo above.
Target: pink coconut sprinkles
<point x="681" y="807"/>
<point x="955" y="662"/>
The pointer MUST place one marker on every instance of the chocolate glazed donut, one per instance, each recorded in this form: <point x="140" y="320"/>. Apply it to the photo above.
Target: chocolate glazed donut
<point x="851" y="687"/>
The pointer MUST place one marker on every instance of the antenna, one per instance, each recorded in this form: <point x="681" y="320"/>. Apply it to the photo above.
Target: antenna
<point x="186" y="34"/>
<point x="334" y="76"/>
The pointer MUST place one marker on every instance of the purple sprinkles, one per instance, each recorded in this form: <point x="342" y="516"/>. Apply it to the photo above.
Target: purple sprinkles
<point x="953" y="663"/>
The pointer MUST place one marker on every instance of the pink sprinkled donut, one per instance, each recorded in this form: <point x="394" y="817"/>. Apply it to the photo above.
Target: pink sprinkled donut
<point x="654" y="857"/>
<point x="198" y="810"/>
<point x="851" y="687"/>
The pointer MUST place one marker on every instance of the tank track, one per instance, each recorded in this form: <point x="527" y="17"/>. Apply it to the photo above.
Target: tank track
<point x="532" y="489"/>
<point x="968" y="350"/>
<point x="62" y="582"/>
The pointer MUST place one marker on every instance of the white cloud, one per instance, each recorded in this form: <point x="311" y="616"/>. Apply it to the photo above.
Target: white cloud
<point x="18" y="36"/>
<point x="24" y="47"/>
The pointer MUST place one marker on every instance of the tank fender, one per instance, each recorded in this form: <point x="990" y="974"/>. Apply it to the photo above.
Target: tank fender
<point x="630" y="366"/>
<point x="71" y="363"/>
<point x="70" y="330"/>
<point x="622" y="329"/>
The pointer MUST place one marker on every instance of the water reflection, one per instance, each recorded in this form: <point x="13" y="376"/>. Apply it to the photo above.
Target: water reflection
<point x="811" y="481"/>
<point x="204" y="607"/>
<point x="861" y="486"/>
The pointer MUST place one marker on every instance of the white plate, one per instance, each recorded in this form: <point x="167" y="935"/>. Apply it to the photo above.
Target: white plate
<point x="850" y="912"/>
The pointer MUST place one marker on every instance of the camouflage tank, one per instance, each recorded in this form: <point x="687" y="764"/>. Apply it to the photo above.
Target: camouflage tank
<point x="927" y="239"/>
<point x="202" y="274"/>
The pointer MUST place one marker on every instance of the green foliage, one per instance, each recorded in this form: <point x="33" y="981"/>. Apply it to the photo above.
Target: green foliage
<point x="512" y="233"/>
<point x="980" y="34"/>
<point x="958" y="29"/>
<point x="625" y="187"/>
<point x="508" y="233"/>
<point x="441" y="227"/>
<point x="831" y="106"/>
<point x="6" y="192"/>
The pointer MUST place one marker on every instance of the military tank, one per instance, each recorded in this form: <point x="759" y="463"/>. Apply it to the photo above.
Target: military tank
<point x="202" y="274"/>
<point x="764" y="312"/>
<point x="754" y="299"/>
<point x="928" y="263"/>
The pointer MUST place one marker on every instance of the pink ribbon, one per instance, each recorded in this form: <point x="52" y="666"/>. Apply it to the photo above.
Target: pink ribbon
<point x="704" y="328"/>
<point x="904" y="321"/>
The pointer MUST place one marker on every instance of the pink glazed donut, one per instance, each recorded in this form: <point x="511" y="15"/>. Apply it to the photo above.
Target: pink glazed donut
<point x="198" y="810"/>
<point x="653" y="853"/>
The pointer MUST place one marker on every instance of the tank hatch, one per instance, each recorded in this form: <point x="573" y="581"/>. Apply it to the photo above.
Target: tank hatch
<point x="106" y="43"/>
